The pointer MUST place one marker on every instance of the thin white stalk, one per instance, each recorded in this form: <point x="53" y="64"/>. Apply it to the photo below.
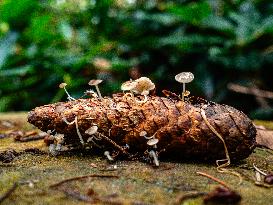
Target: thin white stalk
<point x="184" y="89"/>
<point x="98" y="91"/>
<point x="153" y="155"/>
<point x="78" y="131"/>
<point x="69" y="96"/>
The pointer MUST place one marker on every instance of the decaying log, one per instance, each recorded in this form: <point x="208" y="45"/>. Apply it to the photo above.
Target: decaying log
<point x="178" y="125"/>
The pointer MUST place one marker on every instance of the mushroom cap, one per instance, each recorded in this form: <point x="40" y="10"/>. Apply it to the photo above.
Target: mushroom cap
<point x="184" y="77"/>
<point x="62" y="85"/>
<point x="92" y="130"/>
<point x="128" y="85"/>
<point x="143" y="84"/>
<point x="94" y="82"/>
<point x="152" y="142"/>
<point x="142" y="133"/>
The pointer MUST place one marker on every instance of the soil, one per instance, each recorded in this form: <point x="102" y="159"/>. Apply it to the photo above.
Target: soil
<point x="34" y="170"/>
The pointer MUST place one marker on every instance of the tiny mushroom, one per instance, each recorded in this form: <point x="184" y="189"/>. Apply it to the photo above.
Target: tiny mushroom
<point x="62" y="86"/>
<point x="152" y="142"/>
<point x="107" y="154"/>
<point x="96" y="83"/>
<point x="184" y="77"/>
<point x="92" y="130"/>
<point x="143" y="86"/>
<point x="91" y="93"/>
<point x="128" y="85"/>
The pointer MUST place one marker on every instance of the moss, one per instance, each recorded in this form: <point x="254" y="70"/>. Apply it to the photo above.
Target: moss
<point x="137" y="181"/>
<point x="266" y="124"/>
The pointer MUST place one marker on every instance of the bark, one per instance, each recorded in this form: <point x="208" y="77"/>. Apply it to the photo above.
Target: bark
<point x="178" y="125"/>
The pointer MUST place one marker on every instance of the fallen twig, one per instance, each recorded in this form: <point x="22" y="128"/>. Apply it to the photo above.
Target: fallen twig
<point x="82" y="177"/>
<point x="250" y="91"/>
<point x="213" y="178"/>
<point x="8" y="192"/>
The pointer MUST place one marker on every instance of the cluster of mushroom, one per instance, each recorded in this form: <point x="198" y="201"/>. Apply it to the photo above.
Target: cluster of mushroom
<point x="141" y="86"/>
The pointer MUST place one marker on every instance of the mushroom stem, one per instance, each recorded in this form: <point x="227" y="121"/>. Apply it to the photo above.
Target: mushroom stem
<point x="69" y="96"/>
<point x="184" y="89"/>
<point x="78" y="131"/>
<point x="258" y="170"/>
<point x="142" y="101"/>
<point x="98" y="91"/>
<point x="107" y="154"/>
<point x="153" y="155"/>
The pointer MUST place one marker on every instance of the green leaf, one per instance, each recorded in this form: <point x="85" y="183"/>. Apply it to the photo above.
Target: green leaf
<point x="23" y="70"/>
<point x="193" y="12"/>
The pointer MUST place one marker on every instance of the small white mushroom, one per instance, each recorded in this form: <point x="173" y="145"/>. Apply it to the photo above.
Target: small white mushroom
<point x="128" y="85"/>
<point x="152" y="142"/>
<point x="184" y="77"/>
<point x="62" y="86"/>
<point x="96" y="83"/>
<point x="154" y="156"/>
<point x="92" y="130"/>
<point x="143" y="86"/>
<point x="143" y="133"/>
<point x="107" y="154"/>
<point x="91" y="93"/>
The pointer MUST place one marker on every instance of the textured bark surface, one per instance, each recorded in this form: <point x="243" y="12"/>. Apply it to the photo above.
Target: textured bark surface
<point x="179" y="126"/>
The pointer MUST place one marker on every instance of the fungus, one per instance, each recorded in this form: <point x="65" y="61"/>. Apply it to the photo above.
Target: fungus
<point x="62" y="86"/>
<point x="92" y="130"/>
<point x="184" y="77"/>
<point x="77" y="127"/>
<point x="91" y="93"/>
<point x="96" y="83"/>
<point x="154" y="156"/>
<point x="143" y="86"/>
<point x="152" y="142"/>
<point x="107" y="154"/>
<point x="128" y="85"/>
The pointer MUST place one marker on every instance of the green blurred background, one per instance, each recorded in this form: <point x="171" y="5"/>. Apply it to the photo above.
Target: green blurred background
<point x="44" y="43"/>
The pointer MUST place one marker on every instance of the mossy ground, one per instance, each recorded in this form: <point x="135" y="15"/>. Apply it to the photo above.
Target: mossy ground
<point x="137" y="182"/>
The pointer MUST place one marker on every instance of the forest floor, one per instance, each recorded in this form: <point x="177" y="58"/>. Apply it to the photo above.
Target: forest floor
<point x="33" y="171"/>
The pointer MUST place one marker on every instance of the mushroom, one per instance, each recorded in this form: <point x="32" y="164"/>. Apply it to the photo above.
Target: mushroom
<point x="143" y="86"/>
<point x="62" y="86"/>
<point x="184" y="77"/>
<point x="96" y="83"/>
<point x="128" y="85"/>
<point x="154" y="156"/>
<point x="92" y="130"/>
<point x="152" y="142"/>
<point x="91" y="93"/>
<point x="107" y="154"/>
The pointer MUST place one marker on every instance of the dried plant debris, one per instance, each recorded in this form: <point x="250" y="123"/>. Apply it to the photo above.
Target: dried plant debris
<point x="268" y="177"/>
<point x="8" y="155"/>
<point x="123" y="122"/>
<point x="264" y="137"/>
<point x="8" y="192"/>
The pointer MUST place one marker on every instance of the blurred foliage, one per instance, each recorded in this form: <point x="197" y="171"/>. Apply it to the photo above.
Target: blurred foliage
<point x="44" y="43"/>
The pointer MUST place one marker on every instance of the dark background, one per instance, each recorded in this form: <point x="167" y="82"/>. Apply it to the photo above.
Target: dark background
<point x="44" y="43"/>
